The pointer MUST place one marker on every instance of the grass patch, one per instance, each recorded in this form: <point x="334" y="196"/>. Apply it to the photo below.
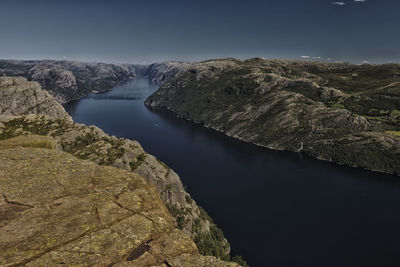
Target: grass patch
<point x="396" y="133"/>
<point x="188" y="199"/>
<point x="337" y="105"/>
<point x="139" y="160"/>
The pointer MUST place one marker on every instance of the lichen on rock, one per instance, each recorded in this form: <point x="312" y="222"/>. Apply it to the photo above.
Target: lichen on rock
<point x="60" y="210"/>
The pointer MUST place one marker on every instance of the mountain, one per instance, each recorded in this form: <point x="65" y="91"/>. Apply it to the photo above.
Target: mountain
<point x="348" y="114"/>
<point x="55" y="130"/>
<point x="68" y="80"/>
<point x="164" y="71"/>
<point x="20" y="97"/>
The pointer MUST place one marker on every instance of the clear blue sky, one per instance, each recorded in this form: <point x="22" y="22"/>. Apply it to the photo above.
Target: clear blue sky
<point x="157" y="30"/>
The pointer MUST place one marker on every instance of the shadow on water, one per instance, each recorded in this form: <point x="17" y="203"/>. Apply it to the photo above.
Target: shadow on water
<point x="276" y="208"/>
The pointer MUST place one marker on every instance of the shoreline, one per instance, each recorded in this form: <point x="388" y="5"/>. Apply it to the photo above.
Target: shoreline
<point x="274" y="149"/>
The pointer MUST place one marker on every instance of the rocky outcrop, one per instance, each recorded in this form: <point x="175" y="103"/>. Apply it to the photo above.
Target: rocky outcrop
<point x="20" y="97"/>
<point x="91" y="143"/>
<point x="343" y="113"/>
<point x="59" y="210"/>
<point x="68" y="80"/>
<point x="164" y="71"/>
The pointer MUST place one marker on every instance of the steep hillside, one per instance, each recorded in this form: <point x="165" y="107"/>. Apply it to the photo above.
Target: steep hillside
<point x="349" y="114"/>
<point x="164" y="71"/>
<point x="91" y="143"/>
<point x="20" y="97"/>
<point x="59" y="210"/>
<point x="67" y="80"/>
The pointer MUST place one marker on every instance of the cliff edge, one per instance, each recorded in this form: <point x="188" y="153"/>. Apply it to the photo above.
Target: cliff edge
<point x="90" y="143"/>
<point x="59" y="210"/>
<point x="20" y="97"/>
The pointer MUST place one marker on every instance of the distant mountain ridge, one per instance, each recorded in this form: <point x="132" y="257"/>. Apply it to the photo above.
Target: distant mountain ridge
<point x="68" y="80"/>
<point x="164" y="71"/>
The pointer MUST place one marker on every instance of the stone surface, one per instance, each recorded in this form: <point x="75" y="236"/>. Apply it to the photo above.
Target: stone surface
<point x="20" y="97"/>
<point x="93" y="144"/>
<point x="57" y="210"/>
<point x="164" y="71"/>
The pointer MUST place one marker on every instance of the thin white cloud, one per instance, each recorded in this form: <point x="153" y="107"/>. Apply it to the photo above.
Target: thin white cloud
<point x="339" y="3"/>
<point x="360" y="1"/>
<point x="316" y="57"/>
<point x="305" y="56"/>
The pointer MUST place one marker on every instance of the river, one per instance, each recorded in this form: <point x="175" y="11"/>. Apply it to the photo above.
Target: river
<point x="275" y="208"/>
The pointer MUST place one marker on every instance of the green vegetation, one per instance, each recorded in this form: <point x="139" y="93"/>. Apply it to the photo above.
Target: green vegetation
<point x="344" y="113"/>
<point x="396" y="133"/>
<point x="239" y="260"/>
<point x="40" y="126"/>
<point x="168" y="187"/>
<point x="188" y="199"/>
<point x="212" y="244"/>
<point x="179" y="215"/>
<point x="364" y="151"/>
<point x="83" y="146"/>
<point x="139" y="160"/>
<point x="337" y="104"/>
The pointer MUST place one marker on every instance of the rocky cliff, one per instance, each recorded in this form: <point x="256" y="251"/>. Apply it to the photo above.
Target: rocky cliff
<point x="164" y="71"/>
<point x="349" y="114"/>
<point x="59" y="210"/>
<point x="20" y="97"/>
<point x="91" y="143"/>
<point x="67" y="80"/>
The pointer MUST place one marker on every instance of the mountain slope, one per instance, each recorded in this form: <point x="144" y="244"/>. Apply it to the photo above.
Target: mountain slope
<point x="68" y="80"/>
<point x="20" y="97"/>
<point x="164" y="71"/>
<point x="91" y="143"/>
<point x="343" y="113"/>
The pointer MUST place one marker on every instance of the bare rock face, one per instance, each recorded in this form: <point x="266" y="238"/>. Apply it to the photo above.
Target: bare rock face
<point x="330" y="93"/>
<point x="91" y="143"/>
<point x="59" y="210"/>
<point x="164" y="71"/>
<point x="68" y="80"/>
<point x="20" y="97"/>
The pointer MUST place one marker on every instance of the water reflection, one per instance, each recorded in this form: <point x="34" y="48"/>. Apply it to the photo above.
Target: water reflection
<point x="276" y="208"/>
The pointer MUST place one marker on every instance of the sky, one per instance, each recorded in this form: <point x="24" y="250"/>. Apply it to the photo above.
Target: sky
<point x="130" y="31"/>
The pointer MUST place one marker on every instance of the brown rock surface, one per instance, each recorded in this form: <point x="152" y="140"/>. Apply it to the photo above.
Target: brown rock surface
<point x="56" y="210"/>
<point x="93" y="144"/>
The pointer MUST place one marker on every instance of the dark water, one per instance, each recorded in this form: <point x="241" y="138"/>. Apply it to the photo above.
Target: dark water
<point x="275" y="208"/>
